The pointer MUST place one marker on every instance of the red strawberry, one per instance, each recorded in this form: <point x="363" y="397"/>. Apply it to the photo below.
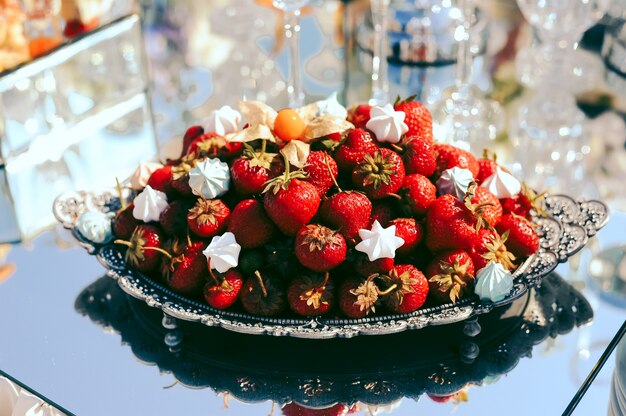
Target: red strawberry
<point x="459" y="396"/>
<point x="191" y="134"/>
<point x="419" y="155"/>
<point x="357" y="144"/>
<point x="383" y="211"/>
<point x="224" y="294"/>
<point x="489" y="246"/>
<point x="173" y="219"/>
<point x="290" y="202"/>
<point x="449" y="156"/>
<point x="144" y="248"/>
<point x="407" y="289"/>
<point x="486" y="168"/>
<point x="322" y="170"/>
<point x="348" y="212"/>
<point x="251" y="225"/>
<point x="451" y="224"/>
<point x="419" y="193"/>
<point x="410" y="231"/>
<point x="319" y="248"/>
<point x="262" y="296"/>
<point x="310" y="295"/>
<point x="161" y="179"/>
<point x="359" y="115"/>
<point x="208" y="217"/>
<point x="294" y="409"/>
<point x="366" y="268"/>
<point x="185" y="272"/>
<point x="523" y="203"/>
<point x="380" y="174"/>
<point x="205" y="145"/>
<point x="357" y="298"/>
<point x="75" y="27"/>
<point x="250" y="172"/>
<point x="418" y="118"/>
<point x="491" y="209"/>
<point x="523" y="239"/>
<point x="449" y="275"/>
<point x="125" y="223"/>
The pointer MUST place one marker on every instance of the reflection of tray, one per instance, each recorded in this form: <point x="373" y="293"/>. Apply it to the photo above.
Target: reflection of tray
<point x="562" y="234"/>
<point x="436" y="360"/>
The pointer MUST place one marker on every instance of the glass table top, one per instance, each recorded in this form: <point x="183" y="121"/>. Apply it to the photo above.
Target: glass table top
<point x="71" y="335"/>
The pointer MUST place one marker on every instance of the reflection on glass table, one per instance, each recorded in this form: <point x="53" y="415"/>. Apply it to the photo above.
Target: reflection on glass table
<point x="440" y="362"/>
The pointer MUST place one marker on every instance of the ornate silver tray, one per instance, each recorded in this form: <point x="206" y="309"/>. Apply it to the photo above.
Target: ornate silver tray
<point x="562" y="233"/>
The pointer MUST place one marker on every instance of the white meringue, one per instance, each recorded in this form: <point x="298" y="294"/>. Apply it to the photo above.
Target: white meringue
<point x="493" y="282"/>
<point x="222" y="253"/>
<point x="149" y="204"/>
<point x="139" y="178"/>
<point x="95" y="226"/>
<point x="210" y="178"/>
<point x="502" y="184"/>
<point x="379" y="242"/>
<point x="223" y="121"/>
<point x="331" y="106"/>
<point x="454" y="181"/>
<point x="387" y="124"/>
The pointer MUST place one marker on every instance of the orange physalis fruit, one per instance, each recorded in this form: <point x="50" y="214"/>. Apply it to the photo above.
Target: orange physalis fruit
<point x="288" y="125"/>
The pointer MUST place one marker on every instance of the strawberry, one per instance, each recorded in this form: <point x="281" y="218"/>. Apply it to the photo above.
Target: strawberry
<point x="357" y="298"/>
<point x="418" y="119"/>
<point x="418" y="192"/>
<point x="491" y="208"/>
<point x="419" y="155"/>
<point x="458" y="397"/>
<point x="489" y="246"/>
<point x="451" y="224"/>
<point x="125" y="223"/>
<point x="383" y="211"/>
<point x="75" y="27"/>
<point x="294" y="409"/>
<point x="380" y="174"/>
<point x="321" y="170"/>
<point x="161" y="179"/>
<point x="364" y="267"/>
<point x="223" y="294"/>
<point x="208" y="217"/>
<point x="319" y="248"/>
<point x="410" y="231"/>
<point x="191" y="134"/>
<point x="144" y="248"/>
<point x="407" y="289"/>
<point x="523" y="240"/>
<point x="185" y="272"/>
<point x="359" y="115"/>
<point x="251" y="225"/>
<point x="205" y="145"/>
<point x="250" y="172"/>
<point x="290" y="202"/>
<point x="523" y="203"/>
<point x="357" y="144"/>
<point x="310" y="294"/>
<point x="262" y="296"/>
<point x="348" y="212"/>
<point x="173" y="219"/>
<point x="486" y="168"/>
<point x="449" y="275"/>
<point x="449" y="156"/>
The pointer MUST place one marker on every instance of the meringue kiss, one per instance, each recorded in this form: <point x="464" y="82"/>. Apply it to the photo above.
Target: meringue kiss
<point x="210" y="178"/>
<point x="502" y="184"/>
<point x="454" y="181"/>
<point x="493" y="282"/>
<point x="387" y="124"/>
<point x="149" y="204"/>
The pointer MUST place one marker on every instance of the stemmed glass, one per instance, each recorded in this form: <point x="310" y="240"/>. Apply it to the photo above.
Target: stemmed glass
<point x="291" y="9"/>
<point x="550" y="129"/>
<point x="380" y="81"/>
<point x="463" y="114"/>
<point x="42" y="16"/>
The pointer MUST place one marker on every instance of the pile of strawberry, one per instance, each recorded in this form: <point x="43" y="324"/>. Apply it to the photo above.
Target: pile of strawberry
<point x="298" y="228"/>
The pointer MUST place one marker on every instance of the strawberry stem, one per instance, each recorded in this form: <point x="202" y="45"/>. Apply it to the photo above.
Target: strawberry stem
<point x="120" y="194"/>
<point x="125" y="243"/>
<point x="388" y="290"/>
<point x="323" y="285"/>
<point x="396" y="147"/>
<point x="398" y="197"/>
<point x="213" y="276"/>
<point x="258" y="276"/>
<point x="189" y="243"/>
<point x="159" y="250"/>
<point x="263" y="147"/>
<point x="330" y="171"/>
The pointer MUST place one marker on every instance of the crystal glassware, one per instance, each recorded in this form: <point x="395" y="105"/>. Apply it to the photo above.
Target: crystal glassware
<point x="291" y="9"/>
<point x="380" y="81"/>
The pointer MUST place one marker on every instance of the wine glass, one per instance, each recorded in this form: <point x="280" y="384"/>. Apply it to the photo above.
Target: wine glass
<point x="291" y="9"/>
<point x="463" y="115"/>
<point x="380" y="81"/>
<point x="42" y="19"/>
